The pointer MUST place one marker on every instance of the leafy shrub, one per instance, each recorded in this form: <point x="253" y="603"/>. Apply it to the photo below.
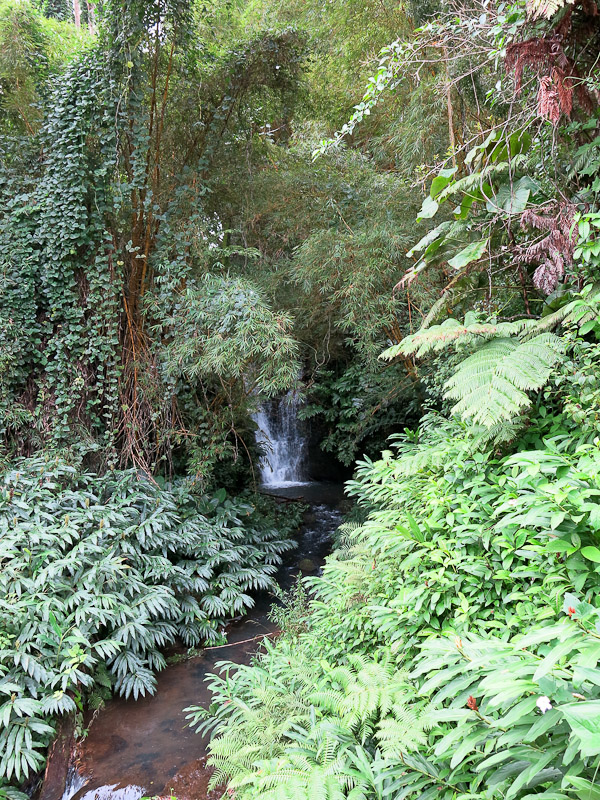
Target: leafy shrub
<point x="518" y="718"/>
<point x="109" y="570"/>
<point x="460" y="540"/>
<point x="477" y="718"/>
<point x="291" y="613"/>
<point x="357" y="409"/>
<point x="473" y="582"/>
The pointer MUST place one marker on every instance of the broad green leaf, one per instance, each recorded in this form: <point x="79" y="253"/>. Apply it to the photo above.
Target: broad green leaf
<point x="428" y="209"/>
<point x="586" y="790"/>
<point x="441" y="181"/>
<point x="545" y="634"/>
<point x="584" y="720"/>
<point x="559" y="546"/>
<point x="471" y="252"/>
<point x="591" y="553"/>
<point x="543" y="724"/>
<point x="582" y="674"/>
<point x="430" y="237"/>
<point x="529" y="774"/>
<point x="557" y="653"/>
<point x="512" y="200"/>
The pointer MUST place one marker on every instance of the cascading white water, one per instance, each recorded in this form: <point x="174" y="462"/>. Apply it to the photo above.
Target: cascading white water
<point x="115" y="792"/>
<point x="74" y="784"/>
<point x="280" y="434"/>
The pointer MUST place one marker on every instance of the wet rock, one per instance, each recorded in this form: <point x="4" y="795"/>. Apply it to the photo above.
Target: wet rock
<point x="59" y="759"/>
<point x="191" y="783"/>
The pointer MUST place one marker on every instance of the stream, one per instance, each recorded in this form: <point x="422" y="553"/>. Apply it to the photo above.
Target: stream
<point x="134" y="749"/>
<point x="140" y="748"/>
<point x="144" y="748"/>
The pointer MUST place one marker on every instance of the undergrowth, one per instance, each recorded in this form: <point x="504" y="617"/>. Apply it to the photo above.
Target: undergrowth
<point x="450" y="649"/>
<point x="99" y="574"/>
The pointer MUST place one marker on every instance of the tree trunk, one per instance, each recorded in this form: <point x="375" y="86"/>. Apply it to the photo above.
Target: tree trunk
<point x="91" y="16"/>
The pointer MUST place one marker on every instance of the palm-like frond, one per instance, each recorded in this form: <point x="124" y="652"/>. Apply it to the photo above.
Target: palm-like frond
<point x="450" y="332"/>
<point x="510" y="359"/>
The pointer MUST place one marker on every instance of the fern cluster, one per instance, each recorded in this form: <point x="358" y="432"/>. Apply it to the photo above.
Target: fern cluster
<point x="108" y="570"/>
<point x="507" y="361"/>
<point x="289" y="728"/>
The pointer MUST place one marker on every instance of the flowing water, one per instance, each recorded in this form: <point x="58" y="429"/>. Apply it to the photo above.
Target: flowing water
<point x="282" y="436"/>
<point x="75" y="782"/>
<point x="143" y="748"/>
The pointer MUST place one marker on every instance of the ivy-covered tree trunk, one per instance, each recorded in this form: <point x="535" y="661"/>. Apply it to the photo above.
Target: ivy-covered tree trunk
<point x="59" y="9"/>
<point x="103" y="238"/>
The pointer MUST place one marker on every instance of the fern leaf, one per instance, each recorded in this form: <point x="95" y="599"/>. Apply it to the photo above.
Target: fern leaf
<point x="545" y="8"/>
<point x="451" y="331"/>
<point x="491" y="384"/>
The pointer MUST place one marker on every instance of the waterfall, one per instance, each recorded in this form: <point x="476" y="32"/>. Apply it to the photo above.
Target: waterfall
<point x="280" y="434"/>
<point x="116" y="792"/>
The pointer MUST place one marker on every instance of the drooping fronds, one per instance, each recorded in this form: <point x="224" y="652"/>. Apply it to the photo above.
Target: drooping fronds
<point x="451" y="331"/>
<point x="509" y="360"/>
<point x="554" y="253"/>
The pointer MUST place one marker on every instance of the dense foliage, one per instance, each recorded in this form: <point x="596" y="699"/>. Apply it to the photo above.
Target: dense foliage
<point x="140" y="166"/>
<point x="106" y="243"/>
<point x="99" y="575"/>
<point x="201" y="206"/>
<point x="451" y="647"/>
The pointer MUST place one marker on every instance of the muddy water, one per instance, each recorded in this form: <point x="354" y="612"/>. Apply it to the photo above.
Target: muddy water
<point x="143" y="747"/>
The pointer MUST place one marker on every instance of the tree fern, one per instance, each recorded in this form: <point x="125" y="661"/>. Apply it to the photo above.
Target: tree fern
<point x="452" y="332"/>
<point x="510" y="359"/>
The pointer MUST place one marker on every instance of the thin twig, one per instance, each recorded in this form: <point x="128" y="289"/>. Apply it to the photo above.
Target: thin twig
<point x="244" y="641"/>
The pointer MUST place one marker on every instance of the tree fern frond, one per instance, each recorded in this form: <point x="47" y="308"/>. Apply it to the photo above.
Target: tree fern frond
<point x="451" y="331"/>
<point x="349" y="533"/>
<point x="585" y="307"/>
<point x="491" y="384"/>
<point x="400" y="732"/>
<point x="329" y="700"/>
<point x="545" y="8"/>
<point x="436" y="309"/>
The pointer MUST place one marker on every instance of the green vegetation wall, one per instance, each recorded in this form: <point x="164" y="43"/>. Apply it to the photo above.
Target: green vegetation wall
<point x="169" y="247"/>
<point x="108" y="246"/>
<point x="450" y="648"/>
